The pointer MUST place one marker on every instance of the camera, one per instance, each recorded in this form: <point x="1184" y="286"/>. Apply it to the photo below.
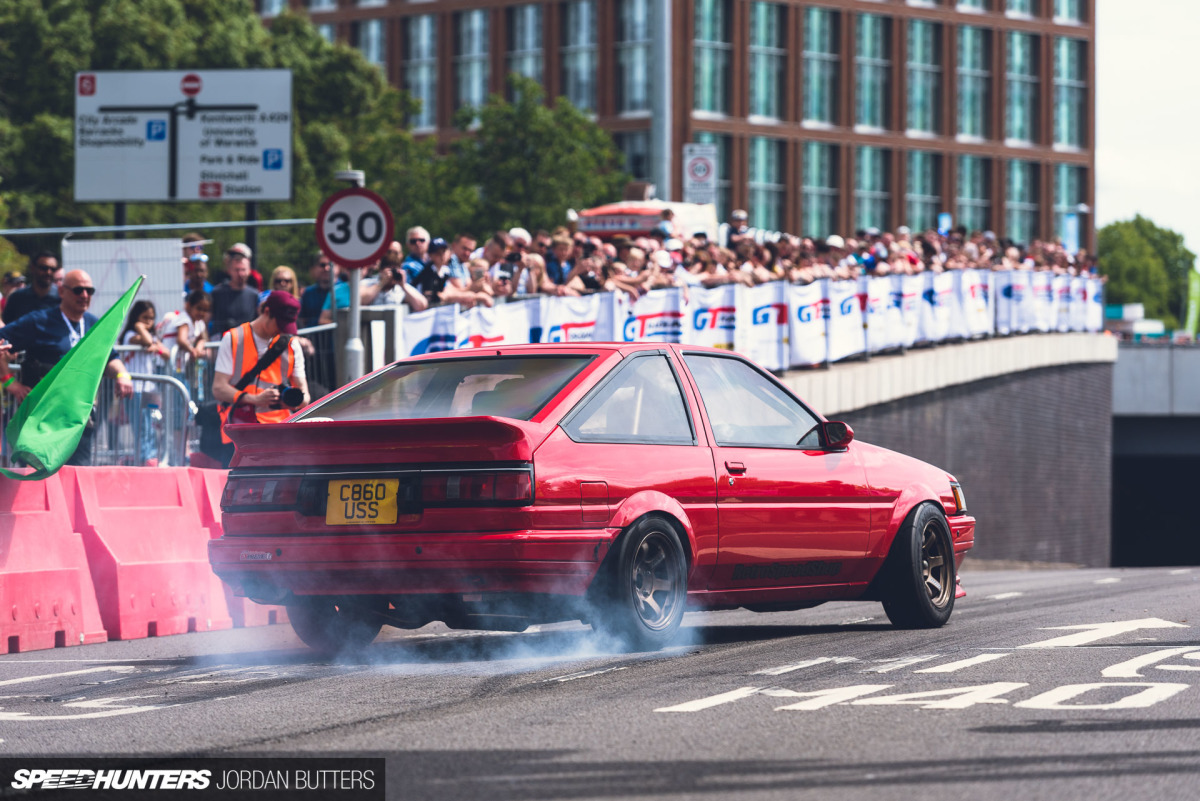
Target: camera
<point x="513" y="257"/>
<point x="589" y="248"/>
<point x="289" y="396"/>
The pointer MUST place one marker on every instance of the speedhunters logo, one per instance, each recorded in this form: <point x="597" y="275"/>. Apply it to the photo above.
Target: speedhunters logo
<point x="149" y="779"/>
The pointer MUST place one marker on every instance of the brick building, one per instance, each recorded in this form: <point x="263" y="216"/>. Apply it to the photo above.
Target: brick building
<point x="829" y="116"/>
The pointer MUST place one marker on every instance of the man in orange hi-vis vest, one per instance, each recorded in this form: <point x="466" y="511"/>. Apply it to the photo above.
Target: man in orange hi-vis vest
<point x="269" y="397"/>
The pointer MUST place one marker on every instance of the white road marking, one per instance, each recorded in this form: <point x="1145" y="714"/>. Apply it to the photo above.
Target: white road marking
<point x="1004" y="596"/>
<point x="823" y="698"/>
<point x="888" y="665"/>
<point x="951" y="667"/>
<point x="1181" y="571"/>
<point x="956" y="697"/>
<point x="110" y="669"/>
<point x="1148" y="694"/>
<point x="1129" y="668"/>
<point x="107" y="707"/>
<point x="820" y="660"/>
<point x="852" y="621"/>
<point x="713" y="700"/>
<point x="1098" y="631"/>
<point x="1192" y="655"/>
<point x="1107" y="581"/>
<point x="584" y="674"/>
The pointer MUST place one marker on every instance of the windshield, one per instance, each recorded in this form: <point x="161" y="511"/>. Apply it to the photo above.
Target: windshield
<point x="514" y="386"/>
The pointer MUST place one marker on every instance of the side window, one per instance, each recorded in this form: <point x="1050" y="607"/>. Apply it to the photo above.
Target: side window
<point x="746" y="409"/>
<point x="642" y="403"/>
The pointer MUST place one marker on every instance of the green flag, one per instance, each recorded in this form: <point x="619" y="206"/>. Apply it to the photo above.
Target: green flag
<point x="1193" y="310"/>
<point x="49" y="423"/>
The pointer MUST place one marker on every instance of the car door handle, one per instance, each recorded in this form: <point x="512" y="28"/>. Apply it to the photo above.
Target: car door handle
<point x="735" y="468"/>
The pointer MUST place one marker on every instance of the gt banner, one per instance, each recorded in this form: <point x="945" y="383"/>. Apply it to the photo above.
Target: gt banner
<point x="584" y="319"/>
<point x="655" y="317"/>
<point x="761" y="329"/>
<point x="907" y="293"/>
<point x="1022" y="301"/>
<point x="1061" y="286"/>
<point x="881" y="332"/>
<point x="1095" y="310"/>
<point x="507" y="324"/>
<point x="1079" y="296"/>
<point x="434" y="330"/>
<point x="807" y="310"/>
<point x="712" y="317"/>
<point x="1003" y="294"/>
<point x="973" y="299"/>
<point x="934" y="317"/>
<point x="846" y="334"/>
<point x="1045" y="310"/>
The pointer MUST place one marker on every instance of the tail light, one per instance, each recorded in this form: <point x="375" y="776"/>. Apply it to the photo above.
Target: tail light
<point x="261" y="494"/>
<point x="471" y="487"/>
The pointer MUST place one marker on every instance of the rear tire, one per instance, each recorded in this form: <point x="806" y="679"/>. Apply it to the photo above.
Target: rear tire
<point x="640" y="597"/>
<point x="331" y="624"/>
<point x="921" y="584"/>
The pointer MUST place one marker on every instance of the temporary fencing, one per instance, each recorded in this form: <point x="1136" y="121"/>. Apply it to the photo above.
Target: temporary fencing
<point x="782" y="325"/>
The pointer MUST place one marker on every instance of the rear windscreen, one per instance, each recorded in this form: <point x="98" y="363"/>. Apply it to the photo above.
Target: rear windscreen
<point x="513" y="386"/>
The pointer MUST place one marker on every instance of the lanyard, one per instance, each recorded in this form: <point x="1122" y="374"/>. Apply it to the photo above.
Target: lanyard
<point x="75" y="335"/>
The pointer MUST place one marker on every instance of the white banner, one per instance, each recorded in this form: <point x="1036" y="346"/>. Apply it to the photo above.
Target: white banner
<point x="434" y="330"/>
<point x="712" y="317"/>
<point x="880" y="331"/>
<point x="506" y="324"/>
<point x="935" y="307"/>
<point x="1044" y="310"/>
<point x="1079" y="296"/>
<point x="114" y="264"/>
<point x="1061" y="286"/>
<point x="976" y="312"/>
<point x="1003" y="295"/>
<point x="762" y="324"/>
<point x="846" y="334"/>
<point x="807" y="312"/>
<point x="960" y="296"/>
<point x="1023" y="319"/>
<point x="1095" y="305"/>
<point x="655" y="317"/>
<point x="582" y="319"/>
<point x="907" y="292"/>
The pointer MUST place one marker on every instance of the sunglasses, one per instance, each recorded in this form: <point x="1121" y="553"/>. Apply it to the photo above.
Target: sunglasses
<point x="47" y="268"/>
<point x="324" y="264"/>
<point x="282" y="281"/>
<point x="415" y="241"/>
<point x="84" y="290"/>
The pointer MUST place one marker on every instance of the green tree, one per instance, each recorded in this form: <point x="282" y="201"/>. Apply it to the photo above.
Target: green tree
<point x="530" y="162"/>
<point x="1135" y="270"/>
<point x="1178" y="260"/>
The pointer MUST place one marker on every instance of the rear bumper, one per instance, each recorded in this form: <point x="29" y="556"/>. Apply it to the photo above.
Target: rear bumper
<point x="962" y="532"/>
<point x="559" y="563"/>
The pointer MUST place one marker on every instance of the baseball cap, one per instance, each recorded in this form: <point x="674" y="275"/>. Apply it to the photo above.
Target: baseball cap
<point x="673" y="244"/>
<point x="662" y="259"/>
<point x="14" y="278"/>
<point x="437" y="243"/>
<point x="740" y="214"/>
<point x="242" y="249"/>
<point x="622" y="241"/>
<point x="836" y="241"/>
<point x="520" y="234"/>
<point x="284" y="309"/>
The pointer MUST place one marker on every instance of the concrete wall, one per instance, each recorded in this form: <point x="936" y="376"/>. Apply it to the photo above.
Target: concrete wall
<point x="1154" y="380"/>
<point x="1033" y="450"/>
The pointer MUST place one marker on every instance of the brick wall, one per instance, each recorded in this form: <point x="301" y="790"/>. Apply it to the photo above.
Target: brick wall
<point x="1033" y="451"/>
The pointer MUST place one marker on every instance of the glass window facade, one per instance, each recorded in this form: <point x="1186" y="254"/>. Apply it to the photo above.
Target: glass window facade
<point x="711" y="57"/>
<point x="471" y="58"/>
<point x="1022" y="82"/>
<point x="327" y="32"/>
<point x="768" y="59"/>
<point x="368" y="37"/>
<point x="924" y="76"/>
<point x="766" y="183"/>
<point x="923" y="195"/>
<point x="972" y="5"/>
<point x="1070" y="91"/>
<point x="1021" y="8"/>
<point x="872" y="188"/>
<point x="272" y="8"/>
<point x="820" y="189"/>
<point x="974" y="206"/>
<point x="635" y="145"/>
<point x="525" y="41"/>
<point x="820" y="65"/>
<point x="1020" y="202"/>
<point x="322" y="5"/>
<point x="1070" y="197"/>
<point x="579" y="53"/>
<point x="1068" y="10"/>
<point x="974" y="81"/>
<point x="420" y="68"/>
<point x="633" y="55"/>
<point x="872" y="68"/>
<point x="724" y="162"/>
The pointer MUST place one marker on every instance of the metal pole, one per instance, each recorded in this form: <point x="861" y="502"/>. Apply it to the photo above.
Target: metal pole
<point x="252" y="232"/>
<point x="354" y="343"/>
<point x="661" y="138"/>
<point x="119" y="220"/>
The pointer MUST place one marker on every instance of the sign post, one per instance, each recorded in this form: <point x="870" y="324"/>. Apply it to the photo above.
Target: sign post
<point x="354" y="228"/>
<point x="701" y="169"/>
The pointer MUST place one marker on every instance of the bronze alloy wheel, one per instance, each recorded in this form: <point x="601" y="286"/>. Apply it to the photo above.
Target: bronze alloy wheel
<point x="934" y="565"/>
<point x="656" y="580"/>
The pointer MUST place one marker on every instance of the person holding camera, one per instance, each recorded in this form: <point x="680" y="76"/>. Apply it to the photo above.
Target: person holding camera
<point x="259" y="374"/>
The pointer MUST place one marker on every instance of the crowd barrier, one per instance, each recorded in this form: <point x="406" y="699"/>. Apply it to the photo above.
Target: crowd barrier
<point x="781" y="325"/>
<point x="113" y="553"/>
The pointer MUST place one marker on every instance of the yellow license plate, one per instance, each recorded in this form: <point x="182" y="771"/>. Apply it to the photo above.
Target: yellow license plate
<point x="362" y="502"/>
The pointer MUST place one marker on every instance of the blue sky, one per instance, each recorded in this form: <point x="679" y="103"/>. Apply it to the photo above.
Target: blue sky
<point x="1148" y="113"/>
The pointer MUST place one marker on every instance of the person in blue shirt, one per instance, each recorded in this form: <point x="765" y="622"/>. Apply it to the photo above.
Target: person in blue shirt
<point x="324" y="274"/>
<point x="49" y="334"/>
<point x="45" y="274"/>
<point x="418" y="249"/>
<point x="197" y="275"/>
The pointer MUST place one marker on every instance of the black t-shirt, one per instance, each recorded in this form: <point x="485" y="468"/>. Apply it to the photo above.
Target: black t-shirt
<point x="232" y="307"/>
<point x="431" y="280"/>
<point x="24" y="301"/>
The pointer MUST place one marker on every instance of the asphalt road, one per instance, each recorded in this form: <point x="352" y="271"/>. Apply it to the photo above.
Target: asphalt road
<point x="1058" y="685"/>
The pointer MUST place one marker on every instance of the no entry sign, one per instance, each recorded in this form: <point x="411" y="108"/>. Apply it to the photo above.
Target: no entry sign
<point x="354" y="227"/>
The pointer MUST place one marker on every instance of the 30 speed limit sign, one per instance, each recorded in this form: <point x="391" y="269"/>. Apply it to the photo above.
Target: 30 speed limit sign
<point x="354" y="227"/>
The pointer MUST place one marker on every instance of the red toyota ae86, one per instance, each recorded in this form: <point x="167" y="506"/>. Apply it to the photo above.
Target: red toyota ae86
<point x="615" y="484"/>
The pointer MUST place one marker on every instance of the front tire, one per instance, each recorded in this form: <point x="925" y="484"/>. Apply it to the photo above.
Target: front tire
<point x="921" y="577"/>
<point x="330" y="624"/>
<point x="640" y="599"/>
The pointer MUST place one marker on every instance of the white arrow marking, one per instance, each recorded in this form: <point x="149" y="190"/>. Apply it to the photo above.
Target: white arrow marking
<point x="820" y="660"/>
<point x="1129" y="669"/>
<point x="951" y="667"/>
<point x="1099" y="631"/>
<point x="109" y="669"/>
<point x="714" y="700"/>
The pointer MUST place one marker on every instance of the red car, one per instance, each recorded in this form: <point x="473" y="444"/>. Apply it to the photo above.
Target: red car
<point x="616" y="484"/>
